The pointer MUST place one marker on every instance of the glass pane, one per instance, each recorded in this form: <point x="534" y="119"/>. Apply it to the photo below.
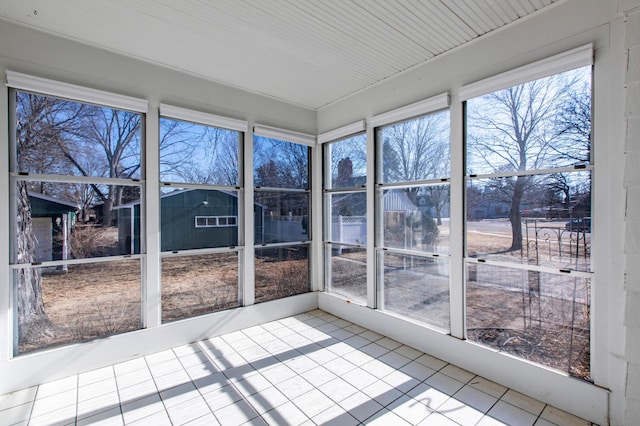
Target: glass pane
<point x="281" y="217"/>
<point x="281" y="272"/>
<point x="417" y="287"/>
<point x="197" y="153"/>
<point x="549" y="225"/>
<point x="347" y="275"/>
<point x="190" y="219"/>
<point x="59" y="221"/>
<point x="541" y="124"/>
<point x="56" y="136"/>
<point x="416" y="218"/>
<point x="416" y="150"/>
<point x="544" y="318"/>
<point x="197" y="285"/>
<point x="280" y="164"/>
<point x="348" y="218"/>
<point x="71" y="303"/>
<point x="348" y="163"/>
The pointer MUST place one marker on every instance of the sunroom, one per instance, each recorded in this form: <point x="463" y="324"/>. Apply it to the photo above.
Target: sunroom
<point x="430" y="192"/>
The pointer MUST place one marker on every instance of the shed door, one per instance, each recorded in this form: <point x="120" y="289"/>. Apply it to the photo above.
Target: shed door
<point x="43" y="231"/>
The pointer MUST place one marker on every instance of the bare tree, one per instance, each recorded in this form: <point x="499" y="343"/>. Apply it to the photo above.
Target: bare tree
<point x="40" y="125"/>
<point x="418" y="150"/>
<point x="197" y="153"/>
<point x="419" y="147"/>
<point x="268" y="174"/>
<point x="293" y="160"/>
<point x="573" y="123"/>
<point x="70" y="138"/>
<point x="281" y="164"/>
<point x="354" y="149"/>
<point x="107" y="140"/>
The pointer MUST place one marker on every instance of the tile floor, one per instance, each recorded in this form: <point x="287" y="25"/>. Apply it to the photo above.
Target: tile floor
<point x="313" y="368"/>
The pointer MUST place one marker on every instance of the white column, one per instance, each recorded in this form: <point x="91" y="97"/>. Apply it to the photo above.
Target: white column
<point x="150" y="223"/>
<point x="6" y="295"/>
<point x="246" y="274"/>
<point x="317" y="253"/>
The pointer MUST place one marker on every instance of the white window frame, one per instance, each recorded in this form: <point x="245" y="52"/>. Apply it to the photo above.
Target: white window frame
<point x="56" y="89"/>
<point x="407" y="113"/>
<point x="566" y="61"/>
<point x="298" y="138"/>
<point x="172" y="112"/>
<point x="327" y="139"/>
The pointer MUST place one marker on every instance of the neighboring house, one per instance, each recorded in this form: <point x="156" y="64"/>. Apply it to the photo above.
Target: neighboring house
<point x="189" y="219"/>
<point x="52" y="220"/>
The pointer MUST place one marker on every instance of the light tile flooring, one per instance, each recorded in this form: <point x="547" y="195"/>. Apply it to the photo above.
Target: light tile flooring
<point x="313" y="368"/>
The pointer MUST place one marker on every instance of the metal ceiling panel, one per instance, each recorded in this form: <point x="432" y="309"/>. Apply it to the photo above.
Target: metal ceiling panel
<point x="306" y="52"/>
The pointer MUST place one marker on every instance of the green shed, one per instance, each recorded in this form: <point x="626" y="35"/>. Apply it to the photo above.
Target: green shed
<point x="189" y="219"/>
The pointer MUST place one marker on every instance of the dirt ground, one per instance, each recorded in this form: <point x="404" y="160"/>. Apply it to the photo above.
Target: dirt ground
<point x="100" y="299"/>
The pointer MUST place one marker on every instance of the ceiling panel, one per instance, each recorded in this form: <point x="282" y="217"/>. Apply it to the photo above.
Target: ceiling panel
<point x="306" y="52"/>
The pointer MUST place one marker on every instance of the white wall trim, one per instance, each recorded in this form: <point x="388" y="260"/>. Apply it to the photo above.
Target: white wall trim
<point x="285" y="135"/>
<point x="415" y="109"/>
<point x="170" y="111"/>
<point x="73" y="92"/>
<point x="341" y="132"/>
<point x="572" y="59"/>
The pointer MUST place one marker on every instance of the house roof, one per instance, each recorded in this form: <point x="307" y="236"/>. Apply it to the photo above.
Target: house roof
<point x="180" y="191"/>
<point x="310" y="53"/>
<point x="50" y="199"/>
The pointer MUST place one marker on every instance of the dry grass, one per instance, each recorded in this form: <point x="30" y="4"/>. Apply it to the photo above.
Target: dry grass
<point x="88" y="301"/>
<point x="196" y="285"/>
<point x="92" y="241"/>
<point x="283" y="278"/>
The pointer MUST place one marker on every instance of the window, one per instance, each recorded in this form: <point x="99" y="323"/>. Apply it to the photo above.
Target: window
<point x="213" y="221"/>
<point x="412" y="198"/>
<point x="76" y="169"/>
<point x="345" y="201"/>
<point x="199" y="207"/>
<point x="281" y="217"/>
<point x="528" y="256"/>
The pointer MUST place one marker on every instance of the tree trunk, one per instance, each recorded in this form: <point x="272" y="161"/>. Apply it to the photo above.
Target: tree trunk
<point x="515" y="216"/>
<point x="32" y="318"/>
<point x="107" y="213"/>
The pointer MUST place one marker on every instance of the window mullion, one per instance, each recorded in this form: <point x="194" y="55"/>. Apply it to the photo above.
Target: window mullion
<point x="456" y="241"/>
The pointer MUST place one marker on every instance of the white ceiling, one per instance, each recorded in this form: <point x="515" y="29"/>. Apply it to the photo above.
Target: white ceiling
<point x="305" y="52"/>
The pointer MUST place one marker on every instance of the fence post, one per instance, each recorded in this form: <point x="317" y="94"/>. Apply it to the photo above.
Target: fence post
<point x="339" y="239"/>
